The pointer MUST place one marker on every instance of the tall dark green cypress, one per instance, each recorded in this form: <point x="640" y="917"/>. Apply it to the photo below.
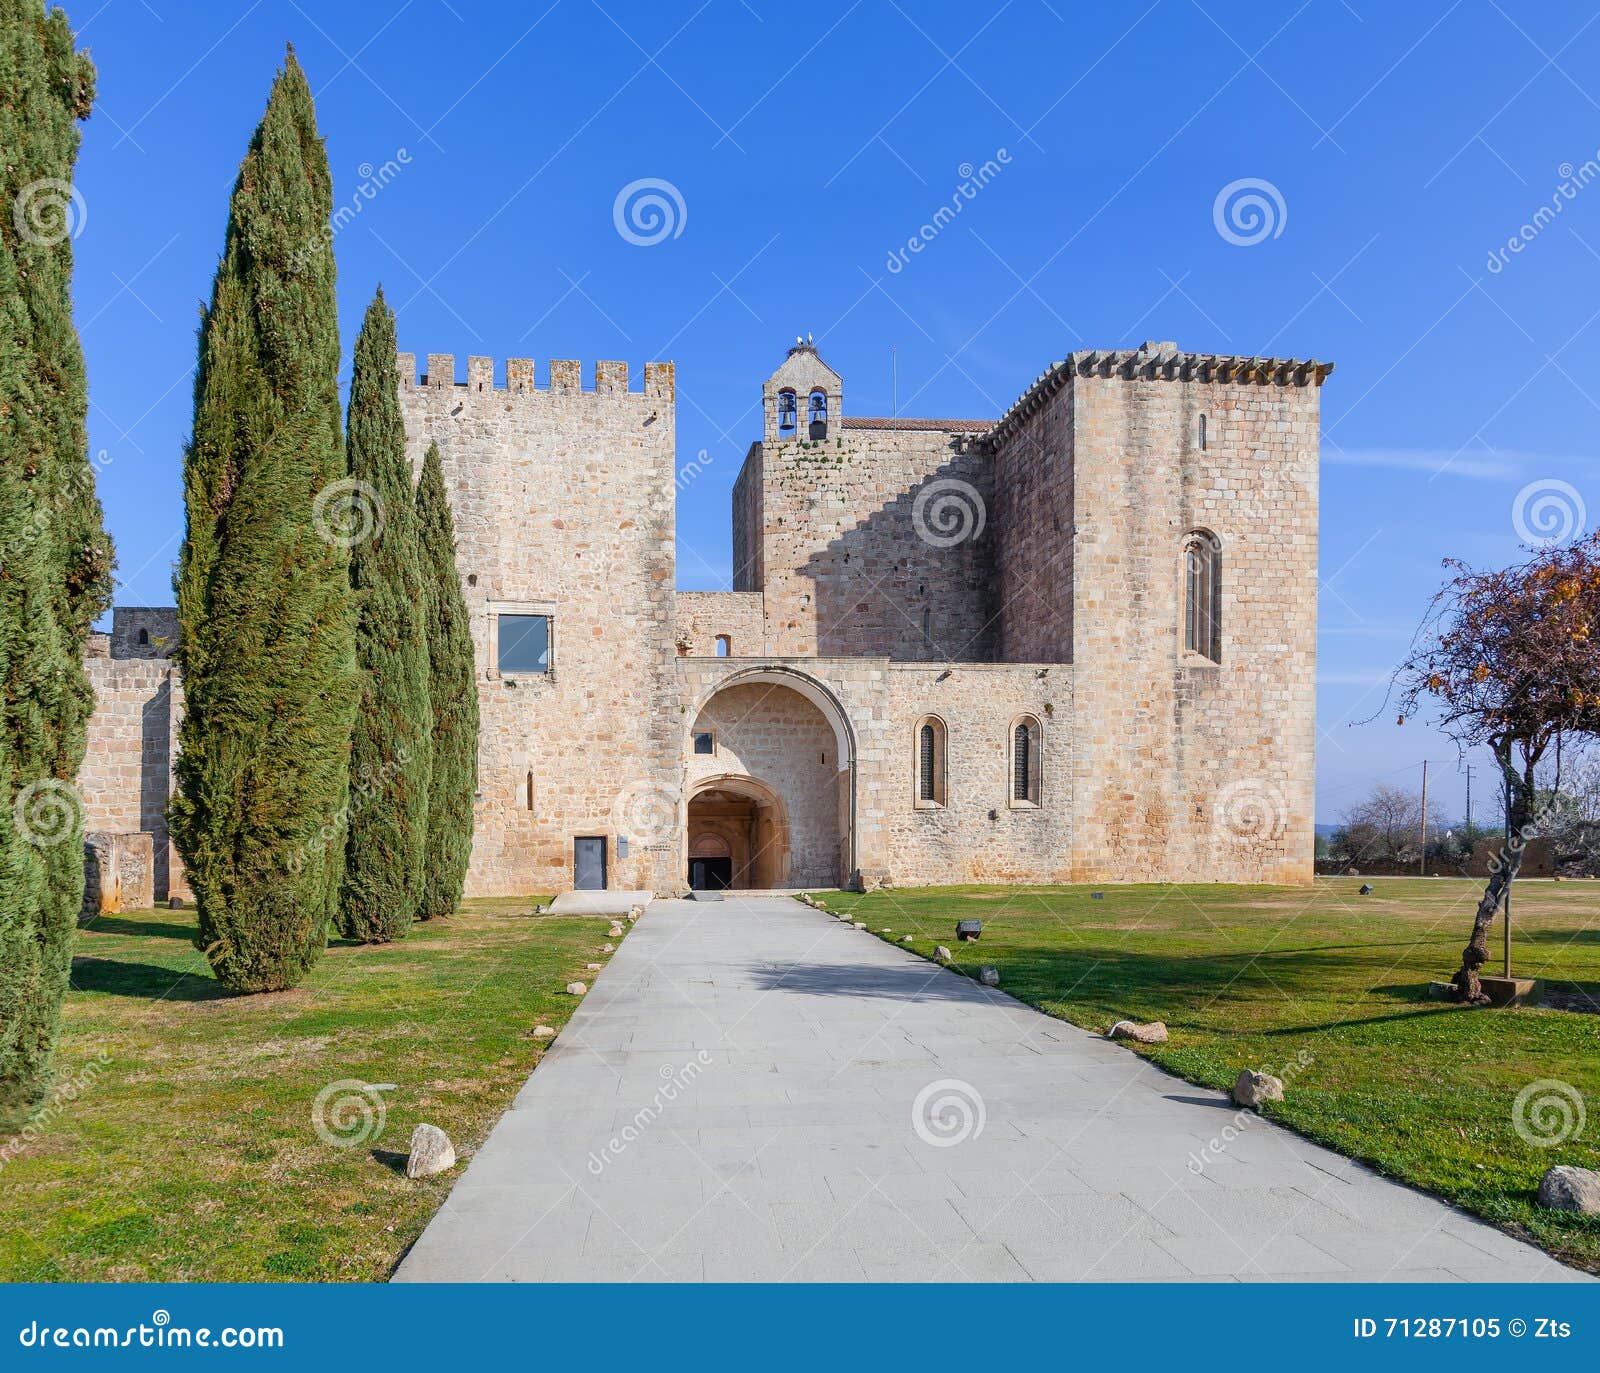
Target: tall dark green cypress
<point x="55" y="557"/>
<point x="266" y="628"/>
<point x="453" y="690"/>
<point x="391" y="756"/>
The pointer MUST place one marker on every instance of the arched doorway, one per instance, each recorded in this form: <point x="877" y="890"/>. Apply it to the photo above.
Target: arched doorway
<point x="738" y="835"/>
<point x="769" y="760"/>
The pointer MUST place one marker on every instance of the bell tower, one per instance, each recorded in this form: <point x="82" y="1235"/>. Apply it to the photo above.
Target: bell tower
<point x="804" y="399"/>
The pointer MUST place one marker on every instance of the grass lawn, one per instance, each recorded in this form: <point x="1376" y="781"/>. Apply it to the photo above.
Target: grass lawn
<point x="1249" y="977"/>
<point x="190" y="1151"/>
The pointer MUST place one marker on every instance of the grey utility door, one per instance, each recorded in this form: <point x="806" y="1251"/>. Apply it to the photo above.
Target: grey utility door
<point x="589" y="864"/>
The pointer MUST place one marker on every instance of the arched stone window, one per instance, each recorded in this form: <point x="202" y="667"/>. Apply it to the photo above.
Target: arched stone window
<point x="1026" y="773"/>
<point x="724" y="646"/>
<point x="1202" y="595"/>
<point x="1200" y="433"/>
<point x="929" y="741"/>
<point x="788" y="414"/>
<point x="817" y="415"/>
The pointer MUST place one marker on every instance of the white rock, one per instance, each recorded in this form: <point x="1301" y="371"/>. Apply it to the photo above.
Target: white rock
<point x="615" y="932"/>
<point x="431" y="1152"/>
<point x="1253" y="1088"/>
<point x="861" y="924"/>
<point x="608" y="948"/>
<point x="576" y="988"/>
<point x="1153" y="1033"/>
<point x="634" y="912"/>
<point x="941" y="953"/>
<point x="1566" y="1188"/>
<point x="990" y="977"/>
<point x="543" y="1032"/>
<point x="594" y="967"/>
<point x="906" y="940"/>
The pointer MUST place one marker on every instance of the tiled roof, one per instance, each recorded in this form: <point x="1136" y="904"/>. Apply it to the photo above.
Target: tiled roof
<point x="902" y="422"/>
<point x="1159" y="362"/>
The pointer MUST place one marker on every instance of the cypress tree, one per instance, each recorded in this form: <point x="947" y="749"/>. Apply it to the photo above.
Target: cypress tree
<point x="391" y="754"/>
<point x="55" y="557"/>
<point x="267" y="636"/>
<point x="453" y="690"/>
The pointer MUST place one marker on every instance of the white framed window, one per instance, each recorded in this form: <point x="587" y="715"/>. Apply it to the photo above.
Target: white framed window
<point x="522" y="637"/>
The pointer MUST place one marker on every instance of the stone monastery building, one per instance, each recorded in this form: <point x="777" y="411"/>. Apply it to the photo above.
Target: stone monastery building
<point x="1075" y="643"/>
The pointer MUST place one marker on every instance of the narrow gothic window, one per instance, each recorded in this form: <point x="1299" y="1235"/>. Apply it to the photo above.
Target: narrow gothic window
<point x="1202" y="596"/>
<point x="1200" y="435"/>
<point x="930" y="743"/>
<point x="724" y="646"/>
<point x="144" y="636"/>
<point x="927" y="626"/>
<point x="787" y="413"/>
<point x="529" y="793"/>
<point x="1025" y="761"/>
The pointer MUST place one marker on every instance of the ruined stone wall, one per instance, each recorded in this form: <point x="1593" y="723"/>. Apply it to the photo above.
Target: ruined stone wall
<point x="877" y="542"/>
<point x="704" y="615"/>
<point x="564" y="505"/>
<point x="1187" y="769"/>
<point x="126" y="777"/>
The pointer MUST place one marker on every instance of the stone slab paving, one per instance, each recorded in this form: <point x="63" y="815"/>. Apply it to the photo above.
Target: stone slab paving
<point x="598" y="902"/>
<point x="753" y="1091"/>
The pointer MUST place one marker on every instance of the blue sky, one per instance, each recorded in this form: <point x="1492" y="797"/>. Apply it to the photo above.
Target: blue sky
<point x="1403" y="145"/>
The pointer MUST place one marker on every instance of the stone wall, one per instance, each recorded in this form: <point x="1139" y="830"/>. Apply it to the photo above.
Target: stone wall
<point x="126" y="777"/>
<point x="854" y="557"/>
<point x="1185" y="768"/>
<point x="704" y="616"/>
<point x="875" y="705"/>
<point x="564" y="505"/>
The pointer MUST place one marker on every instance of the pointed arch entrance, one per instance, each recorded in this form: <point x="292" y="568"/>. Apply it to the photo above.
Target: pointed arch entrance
<point x="770" y="782"/>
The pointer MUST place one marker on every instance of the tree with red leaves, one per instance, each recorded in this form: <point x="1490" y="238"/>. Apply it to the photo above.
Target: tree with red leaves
<point x="1510" y="661"/>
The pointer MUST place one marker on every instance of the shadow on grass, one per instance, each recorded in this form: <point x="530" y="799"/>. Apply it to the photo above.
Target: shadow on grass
<point x="392" y="1159"/>
<point x="155" y="929"/>
<point x="115" y="977"/>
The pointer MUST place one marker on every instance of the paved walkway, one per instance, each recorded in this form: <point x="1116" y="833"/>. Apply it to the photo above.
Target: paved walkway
<point x="738" y="1099"/>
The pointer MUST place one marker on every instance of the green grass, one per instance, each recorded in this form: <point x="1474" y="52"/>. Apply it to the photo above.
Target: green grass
<point x="1253" y="976"/>
<point x="187" y="1149"/>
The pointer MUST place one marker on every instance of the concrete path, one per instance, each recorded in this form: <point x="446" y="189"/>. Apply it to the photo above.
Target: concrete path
<point x="755" y="1091"/>
<point x="598" y="902"/>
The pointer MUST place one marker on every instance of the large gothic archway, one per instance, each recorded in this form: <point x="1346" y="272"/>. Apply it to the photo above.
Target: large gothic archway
<point x="770" y="773"/>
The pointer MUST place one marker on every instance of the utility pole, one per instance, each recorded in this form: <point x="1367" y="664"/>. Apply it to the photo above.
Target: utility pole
<point x="1423" y="869"/>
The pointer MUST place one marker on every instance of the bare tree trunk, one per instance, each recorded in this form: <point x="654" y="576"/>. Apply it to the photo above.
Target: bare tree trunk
<point x="1502" y="873"/>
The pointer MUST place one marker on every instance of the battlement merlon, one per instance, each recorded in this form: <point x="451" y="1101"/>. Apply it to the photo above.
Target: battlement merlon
<point x="566" y="376"/>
